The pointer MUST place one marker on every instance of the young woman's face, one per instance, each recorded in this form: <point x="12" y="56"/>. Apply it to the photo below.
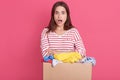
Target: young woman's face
<point x="60" y="15"/>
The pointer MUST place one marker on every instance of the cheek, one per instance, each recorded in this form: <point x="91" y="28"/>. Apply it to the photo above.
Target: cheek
<point x="65" y="17"/>
<point x="55" y="17"/>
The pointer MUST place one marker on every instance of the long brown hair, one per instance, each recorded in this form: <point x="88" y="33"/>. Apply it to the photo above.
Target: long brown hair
<point x="52" y="25"/>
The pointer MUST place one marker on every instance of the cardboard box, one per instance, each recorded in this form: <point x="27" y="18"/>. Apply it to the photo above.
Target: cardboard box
<point x="67" y="71"/>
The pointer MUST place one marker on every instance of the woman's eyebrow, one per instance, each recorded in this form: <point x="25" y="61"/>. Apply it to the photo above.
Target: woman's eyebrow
<point x="56" y="11"/>
<point x="62" y="11"/>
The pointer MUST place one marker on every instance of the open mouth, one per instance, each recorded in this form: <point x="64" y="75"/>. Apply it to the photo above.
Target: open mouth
<point x="59" y="21"/>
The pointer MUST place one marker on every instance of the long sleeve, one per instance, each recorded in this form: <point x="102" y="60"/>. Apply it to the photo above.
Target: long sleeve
<point x="79" y="43"/>
<point x="44" y="42"/>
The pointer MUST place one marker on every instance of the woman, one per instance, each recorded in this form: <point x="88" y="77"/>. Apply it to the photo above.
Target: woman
<point x="60" y="35"/>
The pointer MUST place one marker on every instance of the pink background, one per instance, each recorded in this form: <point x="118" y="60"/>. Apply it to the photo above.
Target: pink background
<point x="21" y="22"/>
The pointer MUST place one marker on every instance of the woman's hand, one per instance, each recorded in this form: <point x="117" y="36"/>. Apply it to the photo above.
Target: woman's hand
<point x="51" y="52"/>
<point x="83" y="56"/>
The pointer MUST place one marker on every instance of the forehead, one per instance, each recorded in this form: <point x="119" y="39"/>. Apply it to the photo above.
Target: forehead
<point x="60" y="8"/>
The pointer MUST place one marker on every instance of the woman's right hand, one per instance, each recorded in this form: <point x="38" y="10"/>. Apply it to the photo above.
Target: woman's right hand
<point x="51" y="52"/>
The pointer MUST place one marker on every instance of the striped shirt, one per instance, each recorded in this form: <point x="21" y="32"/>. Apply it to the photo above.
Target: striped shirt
<point x="69" y="41"/>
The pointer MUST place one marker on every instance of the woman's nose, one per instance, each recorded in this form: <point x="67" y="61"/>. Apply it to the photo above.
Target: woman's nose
<point x="59" y="15"/>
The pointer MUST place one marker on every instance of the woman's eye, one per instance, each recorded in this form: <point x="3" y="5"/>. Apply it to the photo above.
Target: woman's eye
<point x="56" y="12"/>
<point x="63" y="12"/>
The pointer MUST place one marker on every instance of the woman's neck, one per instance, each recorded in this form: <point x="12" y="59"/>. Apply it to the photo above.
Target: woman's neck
<point x="60" y="28"/>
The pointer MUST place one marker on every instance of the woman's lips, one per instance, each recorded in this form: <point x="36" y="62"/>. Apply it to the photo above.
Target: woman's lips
<point x="59" y="21"/>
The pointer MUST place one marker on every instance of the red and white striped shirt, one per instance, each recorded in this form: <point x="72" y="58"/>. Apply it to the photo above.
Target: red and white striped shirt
<point x="69" y="41"/>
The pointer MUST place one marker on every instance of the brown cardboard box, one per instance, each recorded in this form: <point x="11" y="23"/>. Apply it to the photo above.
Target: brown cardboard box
<point x="67" y="71"/>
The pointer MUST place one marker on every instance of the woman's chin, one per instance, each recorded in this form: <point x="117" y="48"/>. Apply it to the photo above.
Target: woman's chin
<point x="59" y="25"/>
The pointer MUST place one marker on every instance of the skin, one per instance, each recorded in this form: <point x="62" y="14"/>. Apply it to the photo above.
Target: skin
<point x="60" y="14"/>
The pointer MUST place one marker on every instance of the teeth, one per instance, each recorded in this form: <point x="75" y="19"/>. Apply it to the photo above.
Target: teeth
<point x="60" y="20"/>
